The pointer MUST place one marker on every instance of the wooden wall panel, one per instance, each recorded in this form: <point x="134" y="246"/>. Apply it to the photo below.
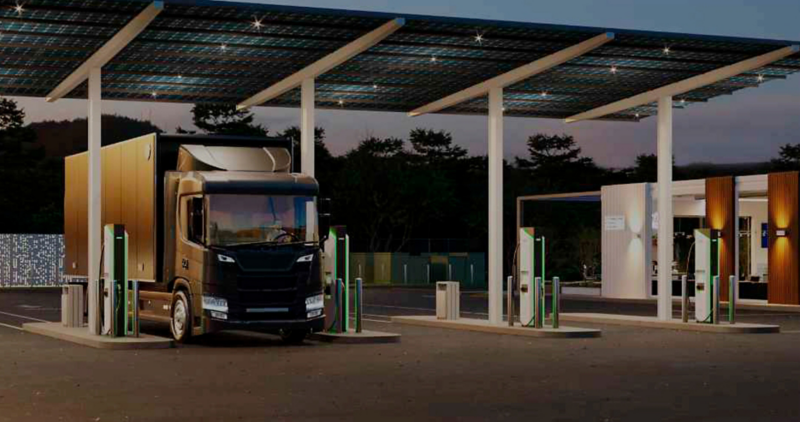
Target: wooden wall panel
<point x="784" y="270"/>
<point x="721" y="215"/>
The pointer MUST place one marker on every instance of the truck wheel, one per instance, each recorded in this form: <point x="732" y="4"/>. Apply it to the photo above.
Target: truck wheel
<point x="293" y="336"/>
<point x="181" y="320"/>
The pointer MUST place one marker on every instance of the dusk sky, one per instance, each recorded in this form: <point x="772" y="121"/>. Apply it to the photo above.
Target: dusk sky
<point x="748" y="126"/>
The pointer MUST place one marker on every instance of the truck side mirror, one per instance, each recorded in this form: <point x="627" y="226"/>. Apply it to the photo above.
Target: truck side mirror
<point x="324" y="205"/>
<point x="324" y="216"/>
<point x="324" y="227"/>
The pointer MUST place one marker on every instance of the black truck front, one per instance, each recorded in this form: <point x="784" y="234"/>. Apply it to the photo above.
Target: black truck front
<point x="270" y="288"/>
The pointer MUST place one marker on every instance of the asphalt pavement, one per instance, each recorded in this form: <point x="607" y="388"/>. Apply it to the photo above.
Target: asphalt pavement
<point x="630" y="374"/>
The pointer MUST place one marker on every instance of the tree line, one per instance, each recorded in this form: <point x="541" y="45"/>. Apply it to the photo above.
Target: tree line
<point x="388" y="191"/>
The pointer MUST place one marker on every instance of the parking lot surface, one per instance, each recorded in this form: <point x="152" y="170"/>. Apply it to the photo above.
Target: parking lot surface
<point x="630" y="374"/>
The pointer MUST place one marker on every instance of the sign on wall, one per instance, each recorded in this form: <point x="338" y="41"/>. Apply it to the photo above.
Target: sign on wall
<point x="614" y="223"/>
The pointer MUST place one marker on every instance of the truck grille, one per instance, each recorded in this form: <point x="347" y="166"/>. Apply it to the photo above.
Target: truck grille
<point x="266" y="288"/>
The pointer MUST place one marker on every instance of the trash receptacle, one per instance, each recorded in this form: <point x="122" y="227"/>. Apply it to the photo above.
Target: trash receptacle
<point x="448" y="297"/>
<point x="72" y="305"/>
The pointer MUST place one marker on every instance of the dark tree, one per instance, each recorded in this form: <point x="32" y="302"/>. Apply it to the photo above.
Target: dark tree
<point x="321" y="153"/>
<point x="645" y="169"/>
<point x="435" y="145"/>
<point x="788" y="158"/>
<point x="225" y="119"/>
<point x="555" y="165"/>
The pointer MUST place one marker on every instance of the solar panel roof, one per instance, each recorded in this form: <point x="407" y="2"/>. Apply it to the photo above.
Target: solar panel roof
<point x="199" y="51"/>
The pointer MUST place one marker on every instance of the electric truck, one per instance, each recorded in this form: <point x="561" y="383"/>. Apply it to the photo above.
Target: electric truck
<point x="222" y="235"/>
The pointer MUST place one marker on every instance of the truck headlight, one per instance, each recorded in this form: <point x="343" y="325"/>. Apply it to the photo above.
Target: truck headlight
<point x="226" y="259"/>
<point x="307" y="258"/>
<point x="315" y="302"/>
<point x="212" y="303"/>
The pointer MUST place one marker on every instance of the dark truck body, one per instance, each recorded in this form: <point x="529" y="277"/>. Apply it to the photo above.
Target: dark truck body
<point x="164" y="188"/>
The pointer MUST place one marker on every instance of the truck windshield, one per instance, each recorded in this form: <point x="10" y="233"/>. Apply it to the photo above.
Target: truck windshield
<point x="248" y="219"/>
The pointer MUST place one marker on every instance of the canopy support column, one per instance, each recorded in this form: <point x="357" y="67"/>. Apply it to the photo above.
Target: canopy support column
<point x="95" y="199"/>
<point x="307" y="127"/>
<point x="495" y="154"/>
<point x="665" y="230"/>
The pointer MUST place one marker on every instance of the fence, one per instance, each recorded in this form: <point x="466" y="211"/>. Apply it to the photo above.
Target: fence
<point x="31" y="260"/>
<point x="37" y="260"/>
<point x="426" y="268"/>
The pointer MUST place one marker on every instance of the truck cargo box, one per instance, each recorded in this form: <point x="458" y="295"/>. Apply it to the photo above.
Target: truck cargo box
<point x="133" y="192"/>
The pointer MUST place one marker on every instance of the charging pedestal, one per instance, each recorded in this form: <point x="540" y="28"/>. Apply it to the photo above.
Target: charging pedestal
<point x="337" y="268"/>
<point x="532" y="276"/>
<point x="706" y="296"/>
<point x="120" y="308"/>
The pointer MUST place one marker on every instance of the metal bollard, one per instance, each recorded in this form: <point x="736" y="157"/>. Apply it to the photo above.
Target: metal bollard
<point x="359" y="303"/>
<point x="510" y="300"/>
<point x="135" y="308"/>
<point x="685" y="299"/>
<point x="556" y="301"/>
<point x="538" y="312"/>
<point x="340" y="314"/>
<point x="732" y="299"/>
<point x="715" y="301"/>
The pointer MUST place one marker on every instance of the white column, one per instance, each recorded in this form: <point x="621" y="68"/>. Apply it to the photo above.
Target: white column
<point x="496" y="206"/>
<point x="95" y="199"/>
<point x="307" y="127"/>
<point x="665" y="232"/>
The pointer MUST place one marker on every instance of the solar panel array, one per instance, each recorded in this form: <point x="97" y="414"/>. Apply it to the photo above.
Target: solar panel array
<point x="219" y="52"/>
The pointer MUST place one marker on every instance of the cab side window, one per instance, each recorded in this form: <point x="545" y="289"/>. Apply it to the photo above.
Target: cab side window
<point x="197" y="221"/>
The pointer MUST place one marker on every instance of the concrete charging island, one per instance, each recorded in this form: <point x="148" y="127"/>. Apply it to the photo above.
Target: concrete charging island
<point x="484" y="326"/>
<point x="82" y="336"/>
<point x="673" y="324"/>
<point x="352" y="337"/>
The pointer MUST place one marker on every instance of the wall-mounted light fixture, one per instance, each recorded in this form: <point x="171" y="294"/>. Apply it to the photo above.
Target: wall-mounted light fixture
<point x="781" y="232"/>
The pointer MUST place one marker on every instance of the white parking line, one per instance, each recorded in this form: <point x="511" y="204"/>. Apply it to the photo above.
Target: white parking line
<point x="24" y="317"/>
<point x="11" y="327"/>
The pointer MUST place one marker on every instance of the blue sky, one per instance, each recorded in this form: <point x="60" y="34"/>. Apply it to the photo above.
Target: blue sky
<point x="749" y="126"/>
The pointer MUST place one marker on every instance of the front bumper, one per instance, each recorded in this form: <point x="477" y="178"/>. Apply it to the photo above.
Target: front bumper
<point x="273" y="325"/>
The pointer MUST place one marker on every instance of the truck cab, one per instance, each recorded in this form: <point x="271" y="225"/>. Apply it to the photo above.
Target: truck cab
<point x="242" y="244"/>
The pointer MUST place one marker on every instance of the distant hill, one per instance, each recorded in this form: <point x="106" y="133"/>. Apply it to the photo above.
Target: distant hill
<point x="67" y="137"/>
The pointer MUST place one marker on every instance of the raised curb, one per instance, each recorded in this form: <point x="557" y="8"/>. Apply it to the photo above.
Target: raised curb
<point x="483" y="326"/>
<point x="351" y="337"/>
<point x="83" y="337"/>
<point x="674" y="324"/>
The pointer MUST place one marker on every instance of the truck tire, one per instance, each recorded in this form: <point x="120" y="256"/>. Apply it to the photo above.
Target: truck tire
<point x="293" y="336"/>
<point x="180" y="323"/>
